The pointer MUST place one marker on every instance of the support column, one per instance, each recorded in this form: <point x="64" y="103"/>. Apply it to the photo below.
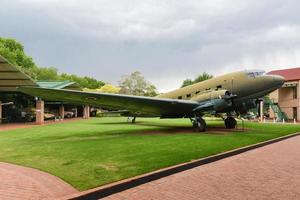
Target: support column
<point x="86" y="112"/>
<point x="0" y="112"/>
<point x="75" y="112"/>
<point x="298" y="114"/>
<point x="40" y="108"/>
<point x="261" y="111"/>
<point x="61" y="111"/>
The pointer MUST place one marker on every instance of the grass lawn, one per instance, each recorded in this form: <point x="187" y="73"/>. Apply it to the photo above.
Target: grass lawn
<point x="90" y="153"/>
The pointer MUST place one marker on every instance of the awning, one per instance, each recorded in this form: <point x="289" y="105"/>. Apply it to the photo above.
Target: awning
<point x="11" y="77"/>
<point x="290" y="84"/>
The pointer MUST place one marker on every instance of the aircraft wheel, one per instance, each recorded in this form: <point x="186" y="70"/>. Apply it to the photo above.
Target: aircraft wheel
<point x="230" y="122"/>
<point x="133" y="120"/>
<point x="199" y="124"/>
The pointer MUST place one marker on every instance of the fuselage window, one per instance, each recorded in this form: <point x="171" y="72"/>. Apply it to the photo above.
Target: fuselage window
<point x="188" y="95"/>
<point x="180" y="97"/>
<point x="207" y="89"/>
<point x="197" y="92"/>
<point x="259" y="73"/>
<point x="219" y="86"/>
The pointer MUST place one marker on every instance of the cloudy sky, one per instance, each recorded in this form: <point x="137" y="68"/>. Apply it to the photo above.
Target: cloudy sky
<point x="167" y="40"/>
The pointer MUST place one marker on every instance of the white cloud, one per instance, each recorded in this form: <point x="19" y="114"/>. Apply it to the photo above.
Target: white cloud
<point x="167" y="40"/>
<point x="135" y="19"/>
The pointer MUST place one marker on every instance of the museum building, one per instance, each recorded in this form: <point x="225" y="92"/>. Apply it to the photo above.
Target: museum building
<point x="287" y="96"/>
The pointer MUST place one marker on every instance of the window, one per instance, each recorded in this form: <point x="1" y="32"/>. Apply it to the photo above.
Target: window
<point x="260" y="73"/>
<point x="295" y="95"/>
<point x="197" y="92"/>
<point x="219" y="86"/>
<point x="188" y="95"/>
<point x="180" y="97"/>
<point x="255" y="73"/>
<point x="251" y="75"/>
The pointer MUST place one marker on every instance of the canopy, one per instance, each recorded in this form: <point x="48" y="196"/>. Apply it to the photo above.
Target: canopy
<point x="11" y="77"/>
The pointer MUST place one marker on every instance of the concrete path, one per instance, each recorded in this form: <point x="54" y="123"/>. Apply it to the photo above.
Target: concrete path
<point x="17" y="182"/>
<point x="270" y="172"/>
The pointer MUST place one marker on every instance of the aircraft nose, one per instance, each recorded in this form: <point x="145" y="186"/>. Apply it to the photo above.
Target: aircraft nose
<point x="279" y="80"/>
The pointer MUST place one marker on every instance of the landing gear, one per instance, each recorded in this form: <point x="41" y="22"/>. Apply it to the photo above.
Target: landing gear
<point x="199" y="124"/>
<point x="230" y="122"/>
<point x="131" y="119"/>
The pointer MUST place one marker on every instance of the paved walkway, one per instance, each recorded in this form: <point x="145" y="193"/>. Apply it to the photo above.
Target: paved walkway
<point x="17" y="182"/>
<point x="270" y="172"/>
<point x="12" y="126"/>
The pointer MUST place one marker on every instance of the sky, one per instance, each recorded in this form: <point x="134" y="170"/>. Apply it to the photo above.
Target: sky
<point x="166" y="40"/>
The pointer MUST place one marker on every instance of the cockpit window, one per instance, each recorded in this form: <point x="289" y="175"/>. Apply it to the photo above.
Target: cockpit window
<point x="255" y="73"/>
<point x="251" y="75"/>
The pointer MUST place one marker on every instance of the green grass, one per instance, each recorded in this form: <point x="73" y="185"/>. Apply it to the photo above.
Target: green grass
<point x="90" y="153"/>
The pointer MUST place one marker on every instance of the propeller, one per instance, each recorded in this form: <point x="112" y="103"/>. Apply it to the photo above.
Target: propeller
<point x="229" y="97"/>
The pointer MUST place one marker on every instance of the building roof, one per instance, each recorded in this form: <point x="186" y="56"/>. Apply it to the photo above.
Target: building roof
<point x="291" y="74"/>
<point x="59" y="85"/>
<point x="11" y="77"/>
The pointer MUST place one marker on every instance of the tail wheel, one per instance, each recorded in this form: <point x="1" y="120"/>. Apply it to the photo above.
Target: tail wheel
<point x="230" y="123"/>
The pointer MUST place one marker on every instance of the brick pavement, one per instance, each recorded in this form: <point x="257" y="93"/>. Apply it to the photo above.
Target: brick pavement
<point x="13" y="126"/>
<point x="270" y="172"/>
<point x="18" y="182"/>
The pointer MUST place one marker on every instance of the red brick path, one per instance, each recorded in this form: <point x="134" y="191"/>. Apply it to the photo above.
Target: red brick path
<point x="17" y="182"/>
<point x="270" y="172"/>
<point x="12" y="126"/>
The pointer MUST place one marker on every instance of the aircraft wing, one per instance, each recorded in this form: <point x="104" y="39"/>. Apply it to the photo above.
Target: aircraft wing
<point x="135" y="105"/>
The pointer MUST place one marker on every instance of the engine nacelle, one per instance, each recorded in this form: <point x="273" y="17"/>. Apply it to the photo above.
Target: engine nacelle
<point x="220" y="99"/>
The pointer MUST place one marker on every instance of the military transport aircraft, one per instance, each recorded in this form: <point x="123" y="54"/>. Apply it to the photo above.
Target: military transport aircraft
<point x="234" y="92"/>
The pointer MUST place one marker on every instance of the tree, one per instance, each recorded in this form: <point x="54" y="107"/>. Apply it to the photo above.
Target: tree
<point x="135" y="84"/>
<point x="107" y="88"/>
<point x="187" y="82"/>
<point x="202" y="77"/>
<point x="14" y="52"/>
<point x="47" y="73"/>
<point x="85" y="82"/>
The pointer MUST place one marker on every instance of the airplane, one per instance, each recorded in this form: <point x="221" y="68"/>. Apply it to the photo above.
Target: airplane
<point x="234" y="92"/>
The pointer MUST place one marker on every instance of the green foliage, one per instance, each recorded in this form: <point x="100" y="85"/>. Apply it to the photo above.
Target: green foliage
<point x="187" y="82"/>
<point x="136" y="84"/>
<point x="13" y="51"/>
<point x="202" y="77"/>
<point x="107" y="88"/>
<point x="85" y="82"/>
<point x="47" y="73"/>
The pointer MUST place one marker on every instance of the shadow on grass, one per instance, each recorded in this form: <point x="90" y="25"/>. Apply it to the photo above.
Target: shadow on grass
<point x="143" y="128"/>
<point x="119" y="133"/>
<point x="142" y="123"/>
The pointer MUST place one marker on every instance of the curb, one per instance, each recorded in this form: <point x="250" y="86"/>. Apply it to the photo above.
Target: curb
<point x="106" y="190"/>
